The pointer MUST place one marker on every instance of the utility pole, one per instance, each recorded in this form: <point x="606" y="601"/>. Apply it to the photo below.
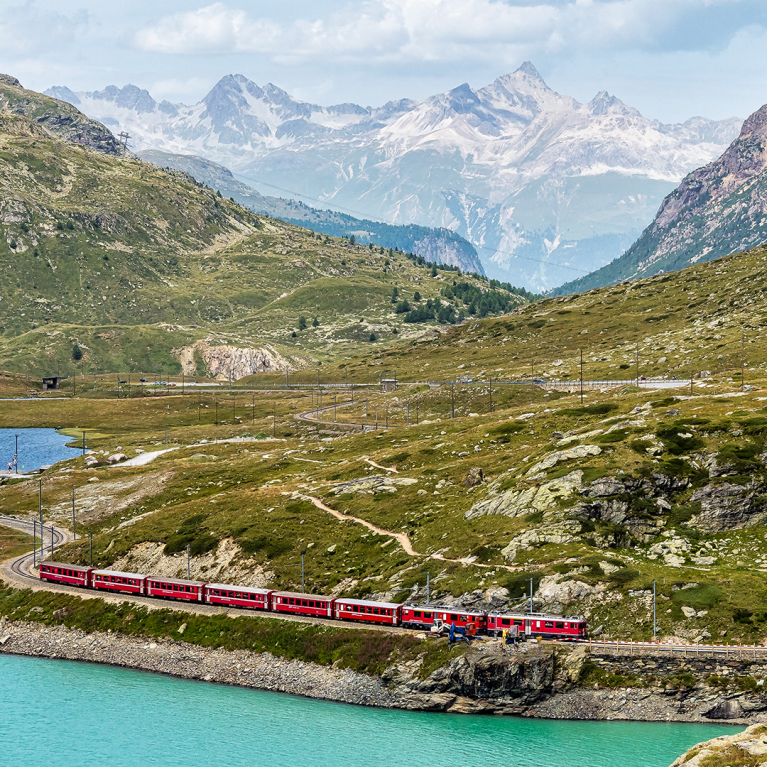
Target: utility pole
<point x="408" y="413"/>
<point x="531" y="595"/>
<point x="366" y="412"/>
<point x="742" y="360"/>
<point x="199" y="405"/>
<point x="253" y="408"/>
<point x="83" y="443"/>
<point x="452" y="400"/>
<point x="581" y="376"/>
<point x="637" y="356"/>
<point x="124" y="141"/>
<point x="16" y="454"/>
<point x="188" y="571"/>
<point x="427" y="588"/>
<point x="335" y="408"/>
<point x="303" y="580"/>
<point x="34" y="542"/>
<point x="274" y="419"/>
<point x="386" y="410"/>
<point x="182" y="384"/>
<point x="40" y="507"/>
<point x="215" y="398"/>
<point x="416" y="414"/>
<point x="492" y="409"/>
<point x="166" y="435"/>
<point x="234" y="407"/>
<point x="91" y="546"/>
<point x="654" y="625"/>
<point x="74" y="520"/>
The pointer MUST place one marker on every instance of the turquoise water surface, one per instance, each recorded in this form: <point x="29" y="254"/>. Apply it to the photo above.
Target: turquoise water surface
<point x="67" y="714"/>
<point x="37" y="447"/>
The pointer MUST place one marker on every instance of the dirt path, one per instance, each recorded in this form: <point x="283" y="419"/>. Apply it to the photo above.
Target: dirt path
<point x="393" y="469"/>
<point x="401" y="538"/>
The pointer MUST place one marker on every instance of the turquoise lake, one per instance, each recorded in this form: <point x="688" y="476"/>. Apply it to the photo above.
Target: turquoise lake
<point x="68" y="714"/>
<point x="37" y="447"/>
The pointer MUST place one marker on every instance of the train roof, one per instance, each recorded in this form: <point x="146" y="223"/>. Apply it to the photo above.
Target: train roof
<point x="537" y="616"/>
<point x="444" y="608"/>
<point x="301" y="595"/>
<point x="67" y="565"/>
<point x="367" y="602"/>
<point x="175" y="580"/>
<point x="230" y="586"/>
<point x="119" y="574"/>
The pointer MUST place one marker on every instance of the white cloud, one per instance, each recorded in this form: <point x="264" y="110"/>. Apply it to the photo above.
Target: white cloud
<point x="25" y="29"/>
<point x="441" y="30"/>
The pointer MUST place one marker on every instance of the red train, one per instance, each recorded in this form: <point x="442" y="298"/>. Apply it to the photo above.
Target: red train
<point x="315" y="605"/>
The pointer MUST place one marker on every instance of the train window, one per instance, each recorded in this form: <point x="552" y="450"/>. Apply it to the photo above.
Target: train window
<point x="417" y="613"/>
<point x="548" y="624"/>
<point x="453" y="617"/>
<point x="311" y="603"/>
<point x="304" y="603"/>
<point x="560" y="625"/>
<point x="375" y="611"/>
<point x="505" y="622"/>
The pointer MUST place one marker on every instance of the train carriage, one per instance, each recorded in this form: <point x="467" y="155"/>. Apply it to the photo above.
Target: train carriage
<point x="174" y="588"/>
<point x="463" y="617"/>
<point x="418" y="616"/>
<point x="113" y="580"/>
<point x="539" y="625"/>
<point x="61" y="572"/>
<point x="238" y="596"/>
<point x="302" y="604"/>
<point x="368" y="611"/>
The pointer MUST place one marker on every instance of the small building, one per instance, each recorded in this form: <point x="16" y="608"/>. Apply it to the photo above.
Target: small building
<point x="389" y="384"/>
<point x="51" y="382"/>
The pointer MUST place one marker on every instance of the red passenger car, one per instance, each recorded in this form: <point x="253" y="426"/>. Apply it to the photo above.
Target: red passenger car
<point x="539" y="625"/>
<point x="237" y="596"/>
<point x="111" y="580"/>
<point x="368" y="611"/>
<point x="461" y="618"/>
<point x="172" y="588"/>
<point x="60" y="572"/>
<point x="418" y="616"/>
<point x="302" y="604"/>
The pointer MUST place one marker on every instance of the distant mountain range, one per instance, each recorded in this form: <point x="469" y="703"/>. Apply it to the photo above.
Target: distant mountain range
<point x="716" y="210"/>
<point x="441" y="246"/>
<point x="545" y="188"/>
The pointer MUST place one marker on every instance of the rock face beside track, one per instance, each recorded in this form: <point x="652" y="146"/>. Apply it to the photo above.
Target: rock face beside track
<point x="540" y="681"/>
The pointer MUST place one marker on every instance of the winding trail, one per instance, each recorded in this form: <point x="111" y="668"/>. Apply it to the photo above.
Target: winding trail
<point x="378" y="465"/>
<point x="401" y="538"/>
<point x="311" y="416"/>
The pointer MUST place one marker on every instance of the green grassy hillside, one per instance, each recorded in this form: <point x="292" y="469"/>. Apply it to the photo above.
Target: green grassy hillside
<point x="133" y="264"/>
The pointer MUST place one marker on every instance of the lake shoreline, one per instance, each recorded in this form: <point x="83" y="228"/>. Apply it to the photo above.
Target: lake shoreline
<point x="533" y="687"/>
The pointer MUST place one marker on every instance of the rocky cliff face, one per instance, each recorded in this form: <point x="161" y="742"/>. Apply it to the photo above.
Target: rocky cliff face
<point x="58" y="118"/>
<point x="223" y="361"/>
<point x="716" y="210"/>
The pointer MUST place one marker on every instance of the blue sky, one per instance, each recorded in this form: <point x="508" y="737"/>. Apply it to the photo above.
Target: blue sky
<point x="671" y="59"/>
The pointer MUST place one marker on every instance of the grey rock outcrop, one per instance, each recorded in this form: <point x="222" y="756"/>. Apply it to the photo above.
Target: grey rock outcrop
<point x="729" y="506"/>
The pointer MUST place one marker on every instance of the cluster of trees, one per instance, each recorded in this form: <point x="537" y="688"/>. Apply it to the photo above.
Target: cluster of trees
<point x="434" y="310"/>
<point x="480" y="303"/>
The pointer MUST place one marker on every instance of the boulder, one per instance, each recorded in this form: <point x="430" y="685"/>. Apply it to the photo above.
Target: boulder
<point x="517" y="503"/>
<point x="553" y="589"/>
<point x="581" y="451"/>
<point x="116" y="457"/>
<point x="475" y="477"/>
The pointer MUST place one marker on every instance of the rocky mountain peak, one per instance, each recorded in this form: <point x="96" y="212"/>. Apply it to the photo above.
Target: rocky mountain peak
<point x="527" y="69"/>
<point x="603" y="103"/>
<point x="756" y="124"/>
<point x="8" y="80"/>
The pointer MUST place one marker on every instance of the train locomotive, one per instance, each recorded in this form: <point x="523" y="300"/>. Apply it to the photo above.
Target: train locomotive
<point x="421" y="617"/>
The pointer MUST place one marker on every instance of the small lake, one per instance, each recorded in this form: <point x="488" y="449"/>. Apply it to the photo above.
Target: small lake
<point x="71" y="714"/>
<point x="37" y="447"/>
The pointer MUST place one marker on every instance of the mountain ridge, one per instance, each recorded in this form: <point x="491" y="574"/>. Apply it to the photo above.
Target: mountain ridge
<point x="715" y="211"/>
<point x="541" y="185"/>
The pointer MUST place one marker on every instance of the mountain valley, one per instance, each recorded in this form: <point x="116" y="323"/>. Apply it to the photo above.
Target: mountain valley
<point x="544" y="187"/>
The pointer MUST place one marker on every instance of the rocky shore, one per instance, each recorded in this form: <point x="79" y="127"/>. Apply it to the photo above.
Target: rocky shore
<point x="539" y="681"/>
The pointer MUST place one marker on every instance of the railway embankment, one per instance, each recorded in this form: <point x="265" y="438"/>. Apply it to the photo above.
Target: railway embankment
<point x="539" y="681"/>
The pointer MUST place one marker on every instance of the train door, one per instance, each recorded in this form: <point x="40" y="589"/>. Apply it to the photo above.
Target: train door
<point x="528" y="626"/>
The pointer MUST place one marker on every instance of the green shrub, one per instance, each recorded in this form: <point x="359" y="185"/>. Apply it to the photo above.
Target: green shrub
<point x="675" y="443"/>
<point x="623" y="576"/>
<point x="603" y="408"/>
<point x="701" y="597"/>
<point x="269" y="547"/>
